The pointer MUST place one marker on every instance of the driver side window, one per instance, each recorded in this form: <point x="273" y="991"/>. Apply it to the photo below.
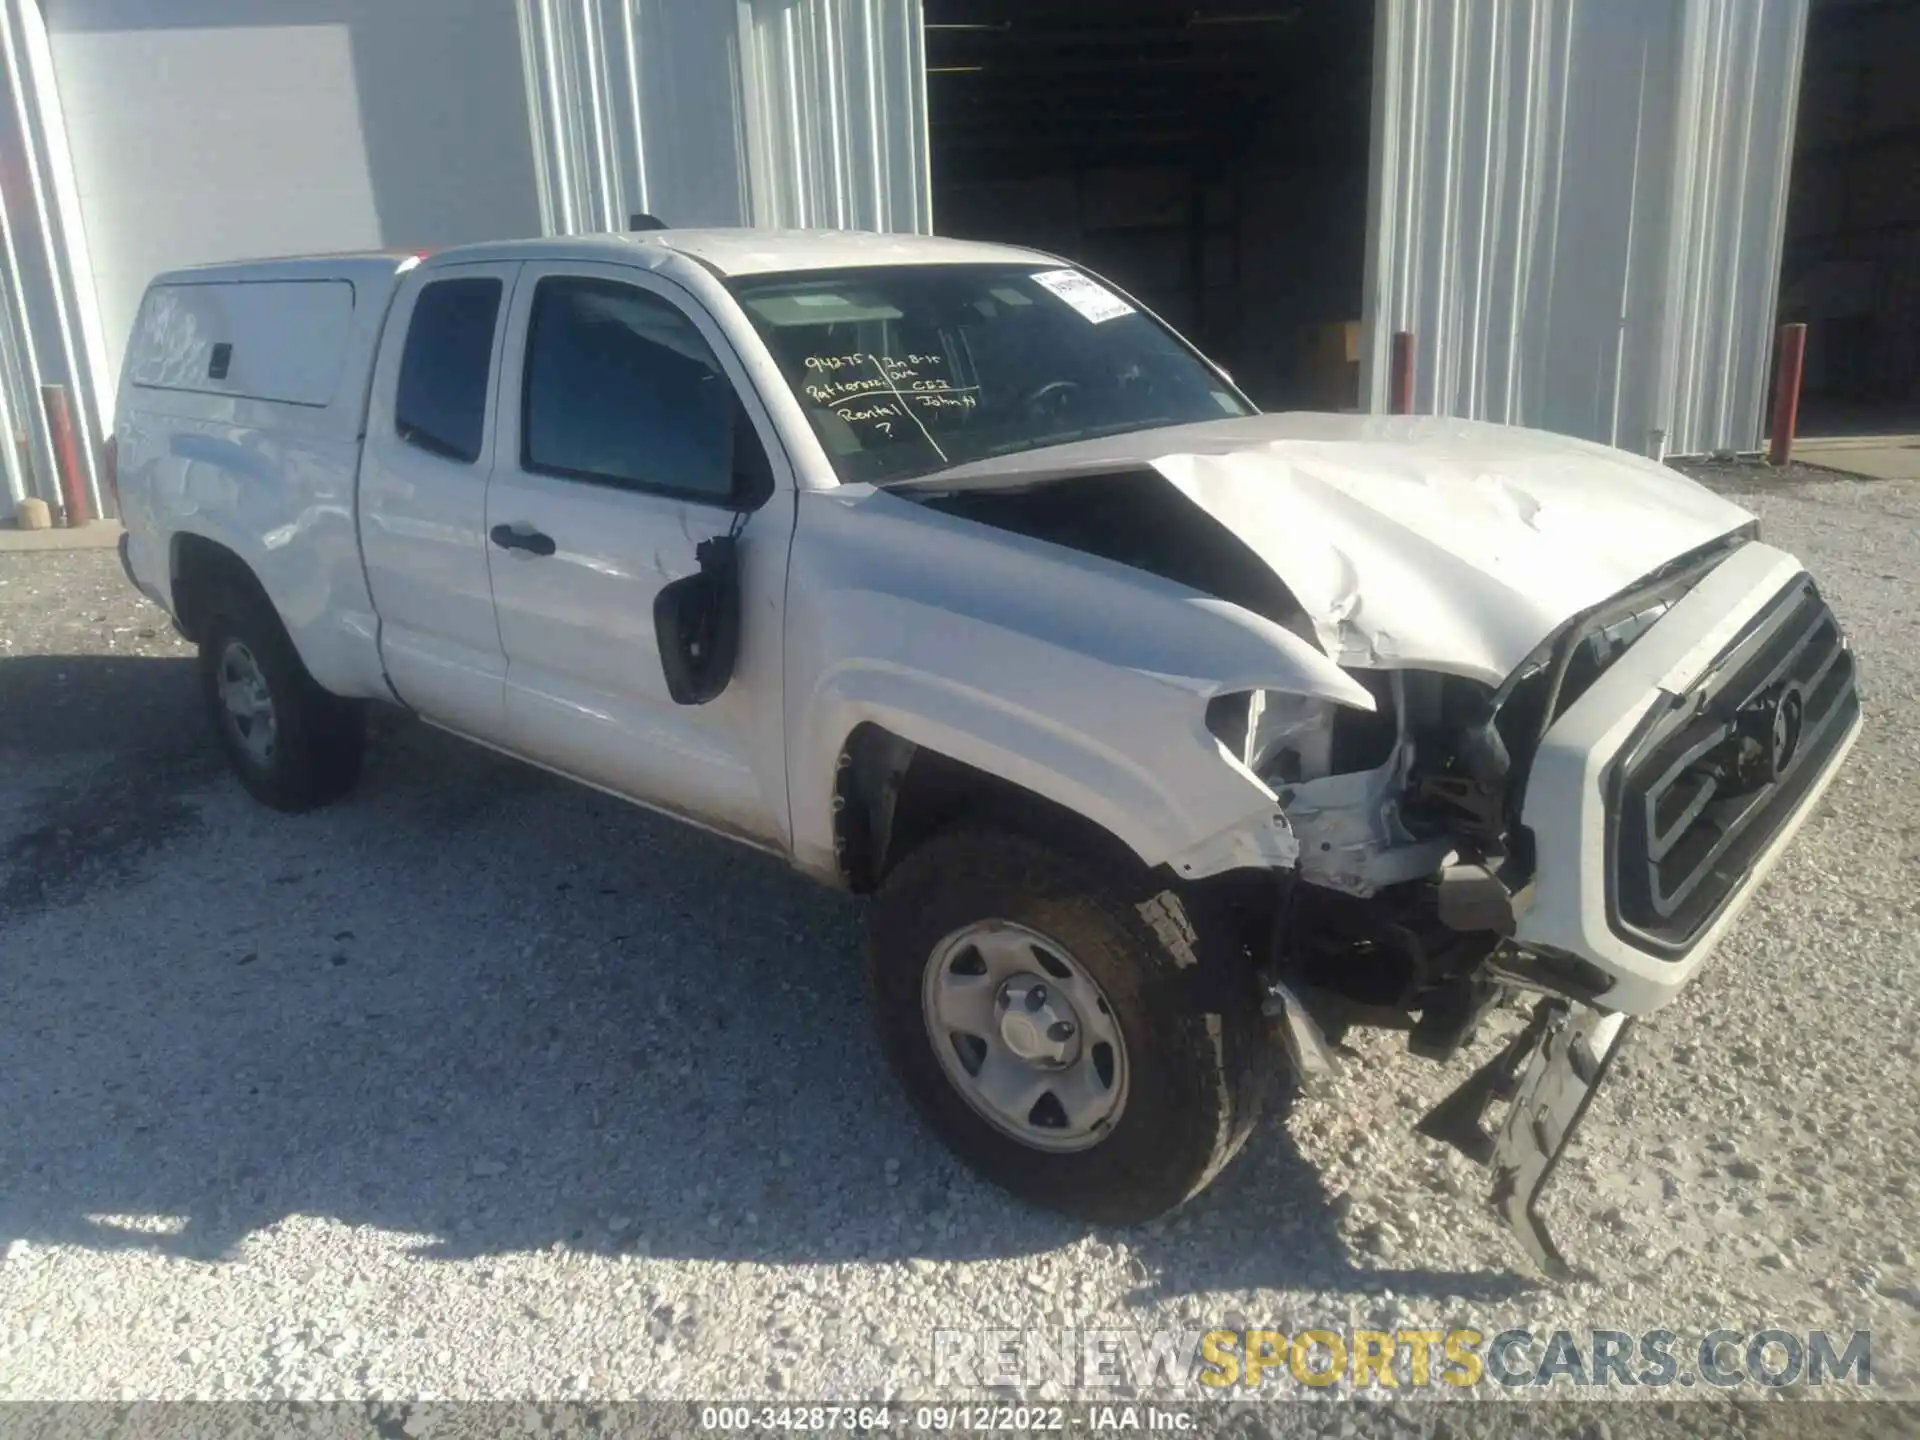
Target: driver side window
<point x="621" y="389"/>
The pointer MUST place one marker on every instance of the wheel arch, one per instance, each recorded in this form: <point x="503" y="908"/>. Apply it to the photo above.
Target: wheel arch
<point x="891" y="793"/>
<point x="199" y="570"/>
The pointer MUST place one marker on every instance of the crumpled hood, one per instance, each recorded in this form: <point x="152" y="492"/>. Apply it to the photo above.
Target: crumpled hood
<point x="1413" y="542"/>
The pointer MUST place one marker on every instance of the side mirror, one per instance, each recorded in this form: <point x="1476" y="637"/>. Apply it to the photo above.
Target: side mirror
<point x="696" y="619"/>
<point x="696" y="623"/>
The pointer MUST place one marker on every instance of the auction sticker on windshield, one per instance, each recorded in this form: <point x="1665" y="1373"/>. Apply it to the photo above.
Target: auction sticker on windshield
<point x="1089" y="297"/>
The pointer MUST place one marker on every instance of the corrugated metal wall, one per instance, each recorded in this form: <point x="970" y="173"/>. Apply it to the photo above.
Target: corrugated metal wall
<point x="1577" y="210"/>
<point x="729" y="112"/>
<point x="1577" y="204"/>
<point x="49" y="325"/>
<point x="208" y="130"/>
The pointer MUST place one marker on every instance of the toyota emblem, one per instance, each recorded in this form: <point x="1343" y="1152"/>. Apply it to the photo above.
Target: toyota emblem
<point x="1789" y="718"/>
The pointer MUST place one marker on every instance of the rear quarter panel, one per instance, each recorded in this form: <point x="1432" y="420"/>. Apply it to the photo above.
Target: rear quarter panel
<point x="278" y="497"/>
<point x="272" y="481"/>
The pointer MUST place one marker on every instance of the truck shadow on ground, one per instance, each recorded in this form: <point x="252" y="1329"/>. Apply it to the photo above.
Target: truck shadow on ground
<point x="488" y="1008"/>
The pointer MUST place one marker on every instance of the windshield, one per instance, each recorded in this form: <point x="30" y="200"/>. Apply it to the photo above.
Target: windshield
<point x="910" y="368"/>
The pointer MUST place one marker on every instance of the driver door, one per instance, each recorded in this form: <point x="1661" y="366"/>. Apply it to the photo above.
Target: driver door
<point x="624" y="447"/>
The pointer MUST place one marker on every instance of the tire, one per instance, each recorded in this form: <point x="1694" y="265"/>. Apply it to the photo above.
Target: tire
<point x="1189" y="1079"/>
<point x="314" y="741"/>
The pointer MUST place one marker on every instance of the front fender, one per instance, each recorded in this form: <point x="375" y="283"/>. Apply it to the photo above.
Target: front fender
<point x="1073" y="677"/>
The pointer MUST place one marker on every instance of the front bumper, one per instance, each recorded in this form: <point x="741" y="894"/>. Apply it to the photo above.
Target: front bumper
<point x="1646" y="851"/>
<point x="1658" y="801"/>
<point x="1562" y="1075"/>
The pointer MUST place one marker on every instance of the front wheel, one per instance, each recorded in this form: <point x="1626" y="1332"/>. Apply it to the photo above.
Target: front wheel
<point x="1048" y="1021"/>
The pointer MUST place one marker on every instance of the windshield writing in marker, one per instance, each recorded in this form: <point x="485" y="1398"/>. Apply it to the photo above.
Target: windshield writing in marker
<point x="878" y="392"/>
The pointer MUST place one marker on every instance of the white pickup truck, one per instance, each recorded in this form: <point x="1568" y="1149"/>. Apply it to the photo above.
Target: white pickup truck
<point x="1165" y="734"/>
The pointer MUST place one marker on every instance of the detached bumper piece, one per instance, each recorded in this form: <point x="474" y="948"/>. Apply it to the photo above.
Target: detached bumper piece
<point x="1560" y="1083"/>
<point x="1549" y="1074"/>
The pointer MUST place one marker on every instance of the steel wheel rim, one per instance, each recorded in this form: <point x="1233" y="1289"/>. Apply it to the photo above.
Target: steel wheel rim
<point x="246" y="703"/>
<point x="1025" y="1035"/>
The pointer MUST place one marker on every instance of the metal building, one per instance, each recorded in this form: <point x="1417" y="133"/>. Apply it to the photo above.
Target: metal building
<point x="1581" y="206"/>
<point x="1575" y="206"/>
<point x="138" y="135"/>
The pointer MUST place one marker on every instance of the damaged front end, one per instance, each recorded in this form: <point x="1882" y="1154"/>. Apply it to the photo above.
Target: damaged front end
<point x="1600" y="711"/>
<point x="1399" y="911"/>
<point x="1440" y="881"/>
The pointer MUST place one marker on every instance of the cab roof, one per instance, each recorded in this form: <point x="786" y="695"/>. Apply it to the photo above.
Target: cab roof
<point x="756" y="252"/>
<point x="731" y="252"/>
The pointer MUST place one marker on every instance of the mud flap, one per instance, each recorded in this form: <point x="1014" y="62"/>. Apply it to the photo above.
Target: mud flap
<point x="1565" y="1072"/>
<point x="1309" y="1057"/>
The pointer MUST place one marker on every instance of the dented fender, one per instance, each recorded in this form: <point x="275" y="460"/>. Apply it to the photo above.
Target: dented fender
<point x="1079" y="679"/>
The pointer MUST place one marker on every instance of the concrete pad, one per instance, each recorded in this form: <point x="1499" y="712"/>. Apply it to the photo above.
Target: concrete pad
<point x="99" y="535"/>
<point x="1878" y="457"/>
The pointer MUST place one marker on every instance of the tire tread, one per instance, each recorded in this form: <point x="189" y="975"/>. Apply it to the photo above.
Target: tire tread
<point x="321" y="739"/>
<point x="1207" y="1063"/>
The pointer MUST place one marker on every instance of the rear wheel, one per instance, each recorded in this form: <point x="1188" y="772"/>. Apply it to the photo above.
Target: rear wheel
<point x="1052" y="1032"/>
<point x="292" y="745"/>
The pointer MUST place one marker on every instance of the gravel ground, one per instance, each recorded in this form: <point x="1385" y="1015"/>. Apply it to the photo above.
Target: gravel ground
<point x="483" y="1085"/>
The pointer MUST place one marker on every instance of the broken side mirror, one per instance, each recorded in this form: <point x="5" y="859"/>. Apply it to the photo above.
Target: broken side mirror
<point x="696" y="619"/>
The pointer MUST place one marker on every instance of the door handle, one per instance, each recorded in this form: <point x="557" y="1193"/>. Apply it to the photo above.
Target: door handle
<point x="532" y="541"/>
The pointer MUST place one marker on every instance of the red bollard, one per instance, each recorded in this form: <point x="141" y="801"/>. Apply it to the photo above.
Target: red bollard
<point x="1786" y="393"/>
<point x="66" y="454"/>
<point x="1400" y="374"/>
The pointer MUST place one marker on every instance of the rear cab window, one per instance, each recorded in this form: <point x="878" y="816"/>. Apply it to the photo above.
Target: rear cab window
<point x="441" y="403"/>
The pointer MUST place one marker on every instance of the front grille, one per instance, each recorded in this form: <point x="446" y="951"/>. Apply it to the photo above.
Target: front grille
<point x="1709" y="780"/>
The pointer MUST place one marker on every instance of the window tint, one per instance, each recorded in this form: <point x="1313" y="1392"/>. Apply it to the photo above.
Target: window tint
<point x="621" y="388"/>
<point x="442" y="402"/>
